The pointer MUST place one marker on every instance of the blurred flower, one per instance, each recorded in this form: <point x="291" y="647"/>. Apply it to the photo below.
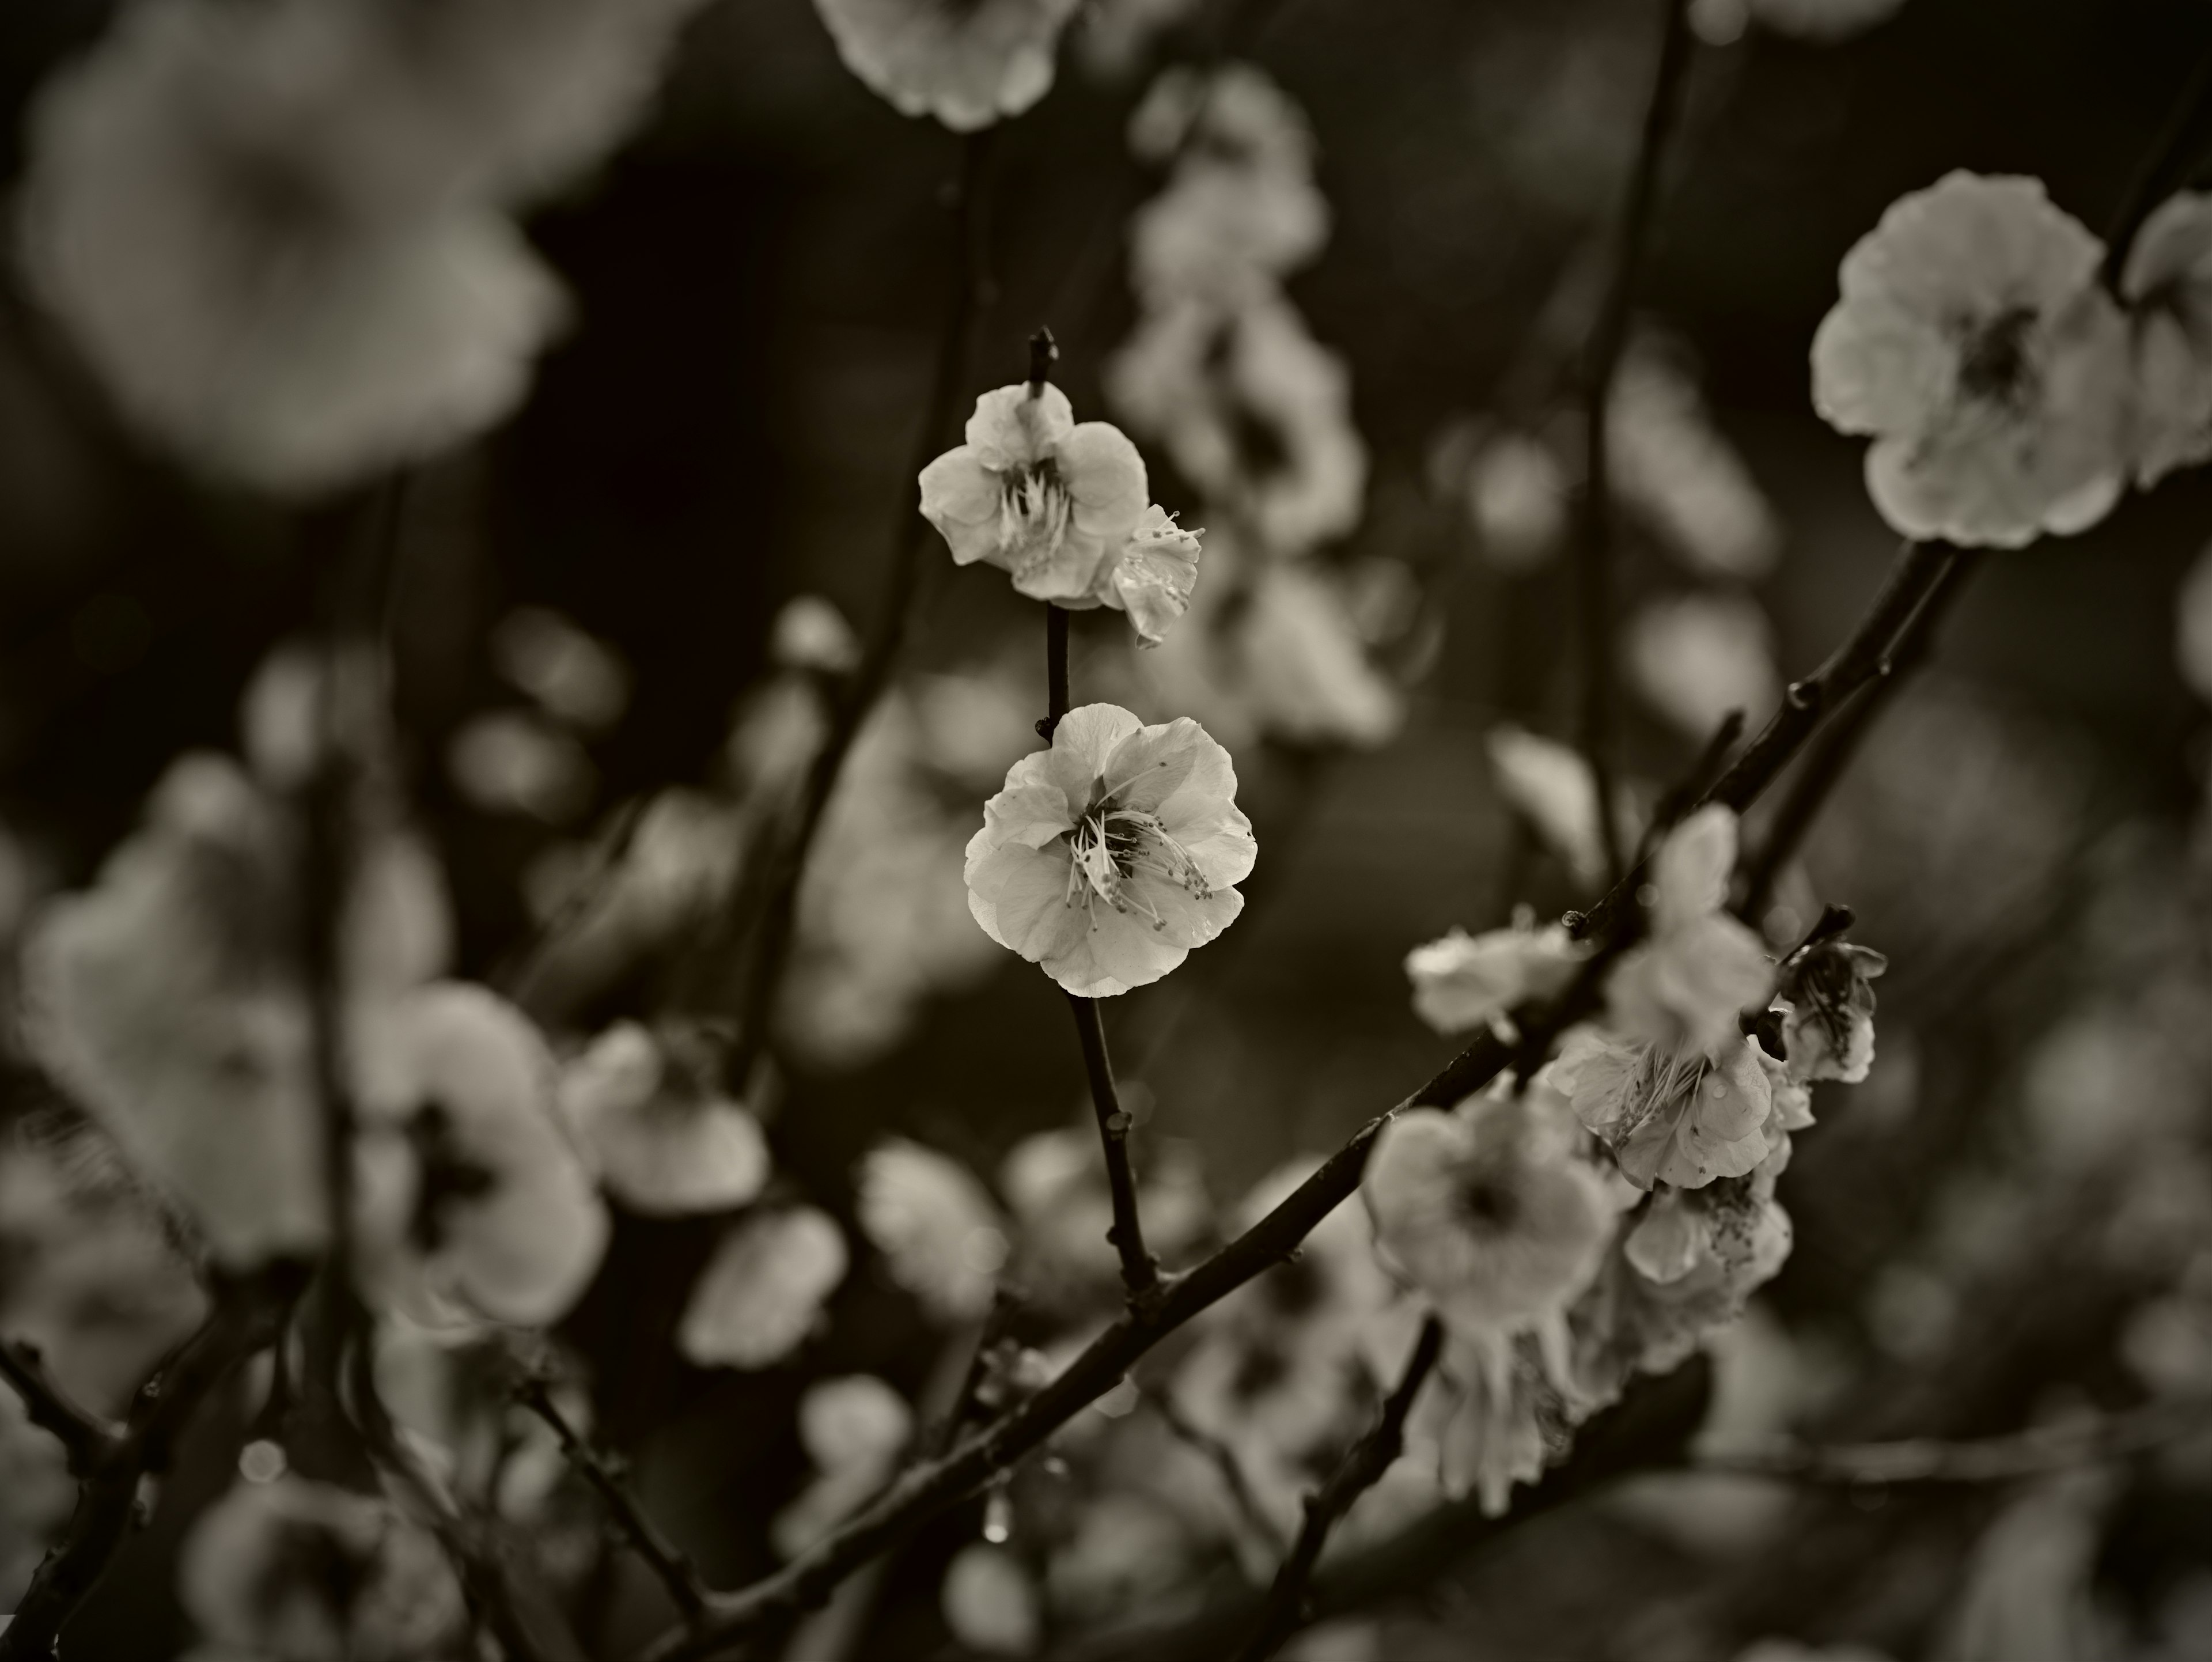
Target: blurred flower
<point x="36" y="1495"/>
<point x="1550" y="785"/>
<point x="1697" y="657"/>
<point x="1152" y="579"/>
<point x="763" y="1292"/>
<point x="164" y="999"/>
<point x="1699" y="968"/>
<point x="854" y="1430"/>
<point x="1829" y="1031"/>
<point x="1516" y="497"/>
<point x="574" y="677"/>
<point x="1974" y="344"/>
<point x="936" y="1225"/>
<point x="1235" y="114"/>
<point x="966" y="65"/>
<point x="1719" y="22"/>
<point x="1463" y="982"/>
<point x="2192" y="619"/>
<point x="2027" y="1594"/>
<point x="1492" y="1417"/>
<point x="1124" y="1552"/>
<point x="1115" y="34"/>
<point x="1038" y="495"/>
<point x="293" y="1571"/>
<point x="1490" y="1210"/>
<point x="810" y="633"/>
<point x="1677" y="471"/>
<point x="2168" y="283"/>
<point x="473" y="1204"/>
<point x="1225" y="233"/>
<point x="1141" y="818"/>
<point x="666" y="1140"/>
<point x="513" y="761"/>
<point x="990" y="1604"/>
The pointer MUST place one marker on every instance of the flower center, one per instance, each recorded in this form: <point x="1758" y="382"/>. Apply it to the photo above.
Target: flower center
<point x="1996" y="367"/>
<point x="1487" y="1202"/>
<point x="1033" y="510"/>
<point x="1113" y="847"/>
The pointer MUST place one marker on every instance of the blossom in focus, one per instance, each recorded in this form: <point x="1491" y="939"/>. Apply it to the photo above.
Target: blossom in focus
<point x="763" y="1292"/>
<point x="2168" y="283"/>
<point x="854" y="1430"/>
<point x="473" y="1203"/>
<point x="1675" y="1115"/>
<point x="1828" y="1032"/>
<point x="1153" y="577"/>
<point x="1699" y="968"/>
<point x="1043" y="497"/>
<point x="1697" y="657"/>
<point x="1490" y="1210"/>
<point x="1974" y="344"/>
<point x="935" y="1224"/>
<point x="306" y="1572"/>
<point x="968" y="65"/>
<point x="164" y="998"/>
<point x="1109" y="856"/>
<point x="1462" y="982"/>
<point x="665" y="1141"/>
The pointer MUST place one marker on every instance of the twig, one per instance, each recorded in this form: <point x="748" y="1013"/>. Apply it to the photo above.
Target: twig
<point x="1139" y="1271"/>
<point x="1885" y="629"/>
<point x="675" y="1570"/>
<point x="1832" y="755"/>
<point x="1360" y="1470"/>
<point x="1217" y="1454"/>
<point x="245" y="1318"/>
<point x="2035" y="1452"/>
<point x="1055" y="671"/>
<point x="50" y="1408"/>
<point x="771" y="937"/>
<point x="1593" y="546"/>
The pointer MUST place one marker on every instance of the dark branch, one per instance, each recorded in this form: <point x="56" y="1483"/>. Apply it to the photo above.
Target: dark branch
<point x="666" y="1561"/>
<point x="1360" y="1470"/>
<point x="1056" y="694"/>
<point x="1139" y="1272"/>
<point x="50" y="1409"/>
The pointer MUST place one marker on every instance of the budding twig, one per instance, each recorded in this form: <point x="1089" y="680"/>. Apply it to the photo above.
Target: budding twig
<point x="1360" y="1470"/>
<point x="665" y="1560"/>
<point x="1594" y="545"/>
<point x="1139" y="1272"/>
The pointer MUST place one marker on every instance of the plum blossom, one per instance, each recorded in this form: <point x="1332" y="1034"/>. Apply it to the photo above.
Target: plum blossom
<point x="665" y="1140"/>
<point x="1699" y="969"/>
<point x="2167" y="283"/>
<point x="1681" y="1116"/>
<point x="1517" y="491"/>
<point x="1462" y="982"/>
<point x="1828" y="1032"/>
<point x="763" y="1292"/>
<point x="1973" y="342"/>
<point x="966" y="65"/>
<point x="853" y="1429"/>
<point x="1061" y="506"/>
<point x="1551" y="786"/>
<point x="474" y="1205"/>
<point x="1697" y="657"/>
<point x="1109" y="856"/>
<point x="936" y="1225"/>
<point x="296" y="1571"/>
<point x="989" y="1602"/>
<point x="1677" y="471"/>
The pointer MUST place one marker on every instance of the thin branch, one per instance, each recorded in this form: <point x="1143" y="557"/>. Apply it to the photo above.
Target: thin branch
<point x="1140" y="1272"/>
<point x="2035" y="1452"/>
<point x="2182" y="130"/>
<point x="1056" y="694"/>
<point x="52" y="1409"/>
<point x="245" y="1318"/>
<point x="1217" y="1454"/>
<point x="1360" y="1470"/>
<point x="1608" y="336"/>
<point x="1829" y="758"/>
<point x="771" y="936"/>
<point x="665" y="1560"/>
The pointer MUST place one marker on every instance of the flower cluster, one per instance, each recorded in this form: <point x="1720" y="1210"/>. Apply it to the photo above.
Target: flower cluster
<point x="282" y="234"/>
<point x="2007" y="391"/>
<point x="1061" y="507"/>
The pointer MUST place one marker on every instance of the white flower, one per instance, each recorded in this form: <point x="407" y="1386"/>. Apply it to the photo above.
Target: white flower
<point x="1829" y="1031"/>
<point x="165" y="999"/>
<point x="2168" y="283"/>
<point x="763" y="1292"/>
<point x="1680" y="1117"/>
<point x="1463" y="982"/>
<point x="1109" y="856"/>
<point x="473" y="1203"/>
<point x="967" y="64"/>
<point x="1493" y="1417"/>
<point x="1696" y="657"/>
<point x="1224" y="234"/>
<point x="810" y="633"/>
<point x="1152" y="578"/>
<point x="1676" y="470"/>
<point x="306" y="1572"/>
<point x="665" y="1142"/>
<point x="574" y="677"/>
<point x="854" y="1430"/>
<point x="1490" y="1210"/>
<point x="1687" y="983"/>
<point x="1051" y="500"/>
<point x="1550" y="785"/>
<point x="514" y="761"/>
<point x="1516" y="499"/>
<point x="936" y="1225"/>
<point x="1974" y="344"/>
<point x="990" y="1604"/>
